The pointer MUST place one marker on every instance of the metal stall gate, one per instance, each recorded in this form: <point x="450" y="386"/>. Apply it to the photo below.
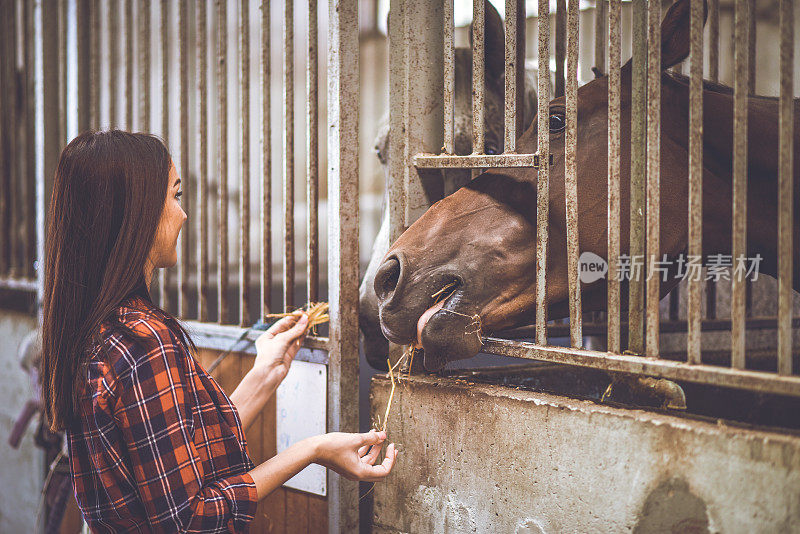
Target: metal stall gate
<point x="171" y="68"/>
<point x="422" y="75"/>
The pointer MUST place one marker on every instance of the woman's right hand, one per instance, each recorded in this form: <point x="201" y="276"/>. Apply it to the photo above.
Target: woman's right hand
<point x="353" y="455"/>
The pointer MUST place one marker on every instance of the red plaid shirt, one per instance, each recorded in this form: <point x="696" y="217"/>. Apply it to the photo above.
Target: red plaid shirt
<point x="158" y="446"/>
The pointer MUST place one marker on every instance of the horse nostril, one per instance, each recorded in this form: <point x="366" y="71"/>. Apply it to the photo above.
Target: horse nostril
<point x="386" y="278"/>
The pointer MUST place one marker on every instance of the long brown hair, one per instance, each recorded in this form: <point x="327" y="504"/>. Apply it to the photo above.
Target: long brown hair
<point x="108" y="195"/>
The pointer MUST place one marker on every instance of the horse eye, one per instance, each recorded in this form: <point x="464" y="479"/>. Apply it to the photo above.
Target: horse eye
<point x="557" y="123"/>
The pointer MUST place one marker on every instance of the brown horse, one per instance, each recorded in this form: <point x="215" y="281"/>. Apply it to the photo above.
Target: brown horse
<point x="483" y="236"/>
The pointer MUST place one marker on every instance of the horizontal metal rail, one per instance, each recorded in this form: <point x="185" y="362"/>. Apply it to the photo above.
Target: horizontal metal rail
<point x="765" y="382"/>
<point x="19" y="284"/>
<point x="476" y="161"/>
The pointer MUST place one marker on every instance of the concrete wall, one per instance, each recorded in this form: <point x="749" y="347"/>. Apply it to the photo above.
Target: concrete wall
<point x="21" y="470"/>
<point x="481" y="458"/>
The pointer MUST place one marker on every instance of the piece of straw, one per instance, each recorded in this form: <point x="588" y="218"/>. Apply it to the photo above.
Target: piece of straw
<point x="317" y="314"/>
<point x="391" y="395"/>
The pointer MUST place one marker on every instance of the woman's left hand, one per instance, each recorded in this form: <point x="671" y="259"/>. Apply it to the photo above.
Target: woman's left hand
<point x="277" y="347"/>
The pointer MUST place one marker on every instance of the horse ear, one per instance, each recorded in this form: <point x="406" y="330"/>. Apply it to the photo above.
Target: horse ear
<point x="675" y="33"/>
<point x="495" y="44"/>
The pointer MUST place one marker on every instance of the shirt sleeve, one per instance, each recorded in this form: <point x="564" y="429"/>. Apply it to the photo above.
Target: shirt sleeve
<point x="156" y="424"/>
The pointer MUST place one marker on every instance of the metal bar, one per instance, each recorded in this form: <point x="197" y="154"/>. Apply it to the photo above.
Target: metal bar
<point x="83" y="38"/>
<point x="266" y="160"/>
<point x="694" y="310"/>
<point x="431" y="161"/>
<point x="395" y="187"/>
<point x="128" y="40"/>
<point x="600" y="21"/>
<point x="6" y="107"/>
<point x="19" y="284"/>
<point x="244" y="173"/>
<point x="95" y="63"/>
<point x="561" y="28"/>
<point x="221" y="337"/>
<point x="510" y="141"/>
<point x="638" y="160"/>
<point x="183" y="66"/>
<point x="520" y="77"/>
<point x="144" y="65"/>
<point x="62" y="72"/>
<point x="203" y="179"/>
<point x="571" y="177"/>
<point x="450" y="77"/>
<point x="739" y="250"/>
<point x="713" y="40"/>
<point x="343" y="97"/>
<point x="288" y="155"/>
<point x="764" y="382"/>
<point x="163" y="275"/>
<point x="312" y="149"/>
<point x="478" y="74"/>
<point x="614" y="89"/>
<point x="28" y="184"/>
<point x="751" y="47"/>
<point x="112" y="21"/>
<point x="543" y="182"/>
<point x="222" y="155"/>
<point x="786" y="187"/>
<point x="653" y="174"/>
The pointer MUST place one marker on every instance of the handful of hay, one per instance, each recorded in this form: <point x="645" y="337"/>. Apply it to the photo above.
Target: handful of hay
<point x="317" y="314"/>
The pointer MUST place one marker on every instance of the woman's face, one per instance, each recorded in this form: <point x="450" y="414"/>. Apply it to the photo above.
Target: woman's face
<point x="164" y="252"/>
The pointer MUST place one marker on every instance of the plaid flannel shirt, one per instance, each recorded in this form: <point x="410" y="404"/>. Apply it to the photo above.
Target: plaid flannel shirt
<point x="158" y="446"/>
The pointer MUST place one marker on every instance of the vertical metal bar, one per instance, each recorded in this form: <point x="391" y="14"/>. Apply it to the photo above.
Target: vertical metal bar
<point x="128" y="40"/>
<point x="112" y="21"/>
<point x="95" y="63"/>
<point x="450" y="77"/>
<point x="5" y="135"/>
<point x="395" y="187"/>
<point x="312" y="142"/>
<point x="478" y="74"/>
<point x="202" y="154"/>
<point x="637" y="189"/>
<point x="543" y="182"/>
<point x="222" y="155"/>
<point x="266" y="160"/>
<point x="751" y="47"/>
<point x="510" y="141"/>
<point x="521" y="27"/>
<point x="13" y="178"/>
<point x="713" y="40"/>
<point x="83" y="35"/>
<point x="694" y="310"/>
<point x="343" y="97"/>
<point x="561" y="29"/>
<point x="740" y="93"/>
<point x="288" y="154"/>
<point x="29" y="183"/>
<point x="183" y="66"/>
<point x="614" y="73"/>
<point x="144" y="65"/>
<point x="786" y="186"/>
<point x="62" y="71"/>
<point x="571" y="177"/>
<point x="244" y="173"/>
<point x="600" y="21"/>
<point x="163" y="275"/>
<point x="653" y="174"/>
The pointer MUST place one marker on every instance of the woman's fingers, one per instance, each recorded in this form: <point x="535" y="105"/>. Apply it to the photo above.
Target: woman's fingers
<point x="373" y="473"/>
<point x="373" y="437"/>
<point x="372" y="455"/>
<point x="296" y="331"/>
<point x="282" y="325"/>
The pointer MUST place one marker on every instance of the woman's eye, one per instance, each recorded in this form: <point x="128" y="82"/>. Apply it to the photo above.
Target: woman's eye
<point x="557" y="122"/>
<point x="179" y="194"/>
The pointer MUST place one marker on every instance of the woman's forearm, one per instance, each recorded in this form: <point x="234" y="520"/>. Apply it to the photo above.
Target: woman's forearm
<point x="251" y="395"/>
<point x="271" y="474"/>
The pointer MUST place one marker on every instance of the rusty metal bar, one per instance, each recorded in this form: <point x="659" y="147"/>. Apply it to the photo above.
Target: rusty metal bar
<point x="751" y="47"/>
<point x="739" y="250"/>
<point x="222" y="155"/>
<point x="763" y="382"/>
<point x="144" y="66"/>
<point x="694" y="310"/>
<point x="395" y="186"/>
<point x="653" y="175"/>
<point x="163" y="275"/>
<point x="786" y="187"/>
<point x="561" y="28"/>
<point x="128" y="43"/>
<point x="95" y="63"/>
<point x="266" y="160"/>
<point x="112" y="20"/>
<point x="449" y="77"/>
<point x="343" y="97"/>
<point x="312" y="149"/>
<point x="478" y="75"/>
<point x="472" y="161"/>
<point x="571" y="177"/>
<point x="83" y="60"/>
<point x="614" y="89"/>
<point x="600" y="22"/>
<point x="636" y="291"/>
<point x="288" y="155"/>
<point x="62" y="71"/>
<point x="244" y="152"/>
<point x="713" y="40"/>
<point x="203" y="179"/>
<point x="543" y="182"/>
<point x="183" y="66"/>
<point x="510" y="141"/>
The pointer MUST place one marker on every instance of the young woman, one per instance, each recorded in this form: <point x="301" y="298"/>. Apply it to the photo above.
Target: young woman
<point x="154" y="443"/>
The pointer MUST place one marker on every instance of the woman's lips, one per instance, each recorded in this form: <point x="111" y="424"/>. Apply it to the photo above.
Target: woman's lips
<point x="423" y="320"/>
